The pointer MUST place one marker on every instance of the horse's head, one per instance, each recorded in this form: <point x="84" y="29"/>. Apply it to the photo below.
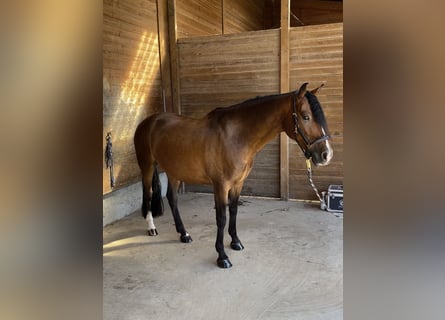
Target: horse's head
<point x="311" y="131"/>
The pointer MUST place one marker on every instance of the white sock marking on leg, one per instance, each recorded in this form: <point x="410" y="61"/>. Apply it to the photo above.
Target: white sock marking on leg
<point x="149" y="218"/>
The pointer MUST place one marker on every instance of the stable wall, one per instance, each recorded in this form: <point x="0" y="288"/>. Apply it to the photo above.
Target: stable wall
<point x="214" y="71"/>
<point x="313" y="12"/>
<point x="139" y="72"/>
<point x="216" y="17"/>
<point x="132" y="54"/>
<point x="316" y="56"/>
<point x="131" y="80"/>
<point x="218" y="71"/>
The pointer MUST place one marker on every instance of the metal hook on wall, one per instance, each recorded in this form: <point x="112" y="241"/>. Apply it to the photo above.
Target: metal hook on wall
<point x="109" y="158"/>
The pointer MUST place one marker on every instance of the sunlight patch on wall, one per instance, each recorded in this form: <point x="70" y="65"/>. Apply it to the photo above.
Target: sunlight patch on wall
<point x="135" y="92"/>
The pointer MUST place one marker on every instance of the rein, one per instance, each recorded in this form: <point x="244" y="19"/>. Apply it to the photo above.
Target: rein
<point x="298" y="131"/>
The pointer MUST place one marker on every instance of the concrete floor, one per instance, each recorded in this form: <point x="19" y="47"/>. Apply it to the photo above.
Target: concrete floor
<point x="291" y="267"/>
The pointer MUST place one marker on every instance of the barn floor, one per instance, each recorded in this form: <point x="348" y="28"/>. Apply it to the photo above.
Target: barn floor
<point x="291" y="267"/>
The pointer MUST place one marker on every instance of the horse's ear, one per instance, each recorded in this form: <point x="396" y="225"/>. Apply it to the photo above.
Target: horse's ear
<point x="302" y="90"/>
<point x="316" y="89"/>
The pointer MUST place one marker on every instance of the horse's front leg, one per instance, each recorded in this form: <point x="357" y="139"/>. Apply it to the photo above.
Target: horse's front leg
<point x="233" y="209"/>
<point x="220" y="205"/>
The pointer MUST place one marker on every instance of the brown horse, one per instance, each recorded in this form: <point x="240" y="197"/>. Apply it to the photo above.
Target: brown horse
<point x="219" y="149"/>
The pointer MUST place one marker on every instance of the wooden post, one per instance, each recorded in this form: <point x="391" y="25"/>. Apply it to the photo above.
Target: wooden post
<point x="284" y="87"/>
<point x="174" y="56"/>
<point x="164" y="54"/>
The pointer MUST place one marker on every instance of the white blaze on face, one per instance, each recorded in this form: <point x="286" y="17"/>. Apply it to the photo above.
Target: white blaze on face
<point x="330" y="152"/>
<point x="328" y="147"/>
<point x="150" y="223"/>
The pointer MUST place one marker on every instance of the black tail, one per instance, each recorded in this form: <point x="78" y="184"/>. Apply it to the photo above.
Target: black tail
<point x="157" y="205"/>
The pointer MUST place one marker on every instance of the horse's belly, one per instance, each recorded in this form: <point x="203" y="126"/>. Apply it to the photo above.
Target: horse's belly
<point x="186" y="172"/>
<point x="185" y="165"/>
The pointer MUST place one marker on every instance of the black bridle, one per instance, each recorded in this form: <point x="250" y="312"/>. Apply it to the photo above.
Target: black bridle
<point x="307" y="143"/>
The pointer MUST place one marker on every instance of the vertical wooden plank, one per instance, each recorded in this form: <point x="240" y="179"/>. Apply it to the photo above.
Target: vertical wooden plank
<point x="164" y="54"/>
<point x="284" y="87"/>
<point x="222" y="17"/>
<point x="174" y="55"/>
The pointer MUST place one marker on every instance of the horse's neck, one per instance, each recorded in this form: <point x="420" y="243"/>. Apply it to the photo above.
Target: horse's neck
<point x="264" y="121"/>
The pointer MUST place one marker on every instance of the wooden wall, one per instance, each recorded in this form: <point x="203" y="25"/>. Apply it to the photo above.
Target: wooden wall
<point x="215" y="70"/>
<point x="216" y="17"/>
<point x="223" y="70"/>
<point x="316" y="56"/>
<point x="198" y="18"/>
<point x="220" y="71"/>
<point x="313" y="12"/>
<point x="131" y="79"/>
<point x="240" y="16"/>
<point x="304" y="12"/>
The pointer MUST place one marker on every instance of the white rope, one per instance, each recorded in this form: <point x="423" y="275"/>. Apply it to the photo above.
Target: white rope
<point x="309" y="174"/>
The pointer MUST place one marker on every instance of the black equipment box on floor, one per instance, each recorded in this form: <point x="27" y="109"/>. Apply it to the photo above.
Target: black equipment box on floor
<point x="334" y="198"/>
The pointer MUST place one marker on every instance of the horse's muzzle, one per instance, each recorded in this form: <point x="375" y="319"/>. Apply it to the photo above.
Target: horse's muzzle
<point x="322" y="154"/>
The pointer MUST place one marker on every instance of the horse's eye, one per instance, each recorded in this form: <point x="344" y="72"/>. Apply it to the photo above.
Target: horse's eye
<point x="306" y="118"/>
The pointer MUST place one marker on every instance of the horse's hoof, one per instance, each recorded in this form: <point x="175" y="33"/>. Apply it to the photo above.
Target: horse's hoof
<point x="224" y="263"/>
<point x="186" y="238"/>
<point x="152" y="232"/>
<point x="238" y="246"/>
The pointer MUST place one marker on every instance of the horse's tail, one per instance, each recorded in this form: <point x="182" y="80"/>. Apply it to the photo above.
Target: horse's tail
<point x="157" y="205"/>
<point x="147" y="165"/>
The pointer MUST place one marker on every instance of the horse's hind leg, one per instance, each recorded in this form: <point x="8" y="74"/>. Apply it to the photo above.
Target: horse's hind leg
<point x="172" y="196"/>
<point x="234" y="194"/>
<point x="151" y="205"/>
<point x="147" y="192"/>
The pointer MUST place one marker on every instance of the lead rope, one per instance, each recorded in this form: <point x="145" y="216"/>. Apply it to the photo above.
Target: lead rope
<point x="309" y="174"/>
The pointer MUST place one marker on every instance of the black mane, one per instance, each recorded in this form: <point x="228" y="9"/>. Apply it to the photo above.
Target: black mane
<point x="316" y="109"/>
<point x="245" y="103"/>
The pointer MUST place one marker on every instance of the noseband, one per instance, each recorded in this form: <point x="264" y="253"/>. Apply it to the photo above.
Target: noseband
<point x="307" y="143"/>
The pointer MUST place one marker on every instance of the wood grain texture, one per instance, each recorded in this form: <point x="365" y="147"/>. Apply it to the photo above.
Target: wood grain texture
<point x="131" y="80"/>
<point x="217" y="71"/>
<point x="220" y="71"/>
<point x="241" y="16"/>
<point x="198" y="17"/>
<point x="317" y="57"/>
<point x="316" y="12"/>
<point x="217" y="17"/>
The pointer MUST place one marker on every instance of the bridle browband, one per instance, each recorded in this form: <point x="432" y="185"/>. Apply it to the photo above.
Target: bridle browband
<point x="298" y="131"/>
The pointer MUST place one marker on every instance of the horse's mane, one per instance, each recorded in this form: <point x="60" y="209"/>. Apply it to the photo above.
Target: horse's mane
<point x="316" y="109"/>
<point x="244" y="104"/>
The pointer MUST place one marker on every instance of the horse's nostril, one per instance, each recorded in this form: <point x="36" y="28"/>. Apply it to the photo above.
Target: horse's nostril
<point x="324" y="155"/>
